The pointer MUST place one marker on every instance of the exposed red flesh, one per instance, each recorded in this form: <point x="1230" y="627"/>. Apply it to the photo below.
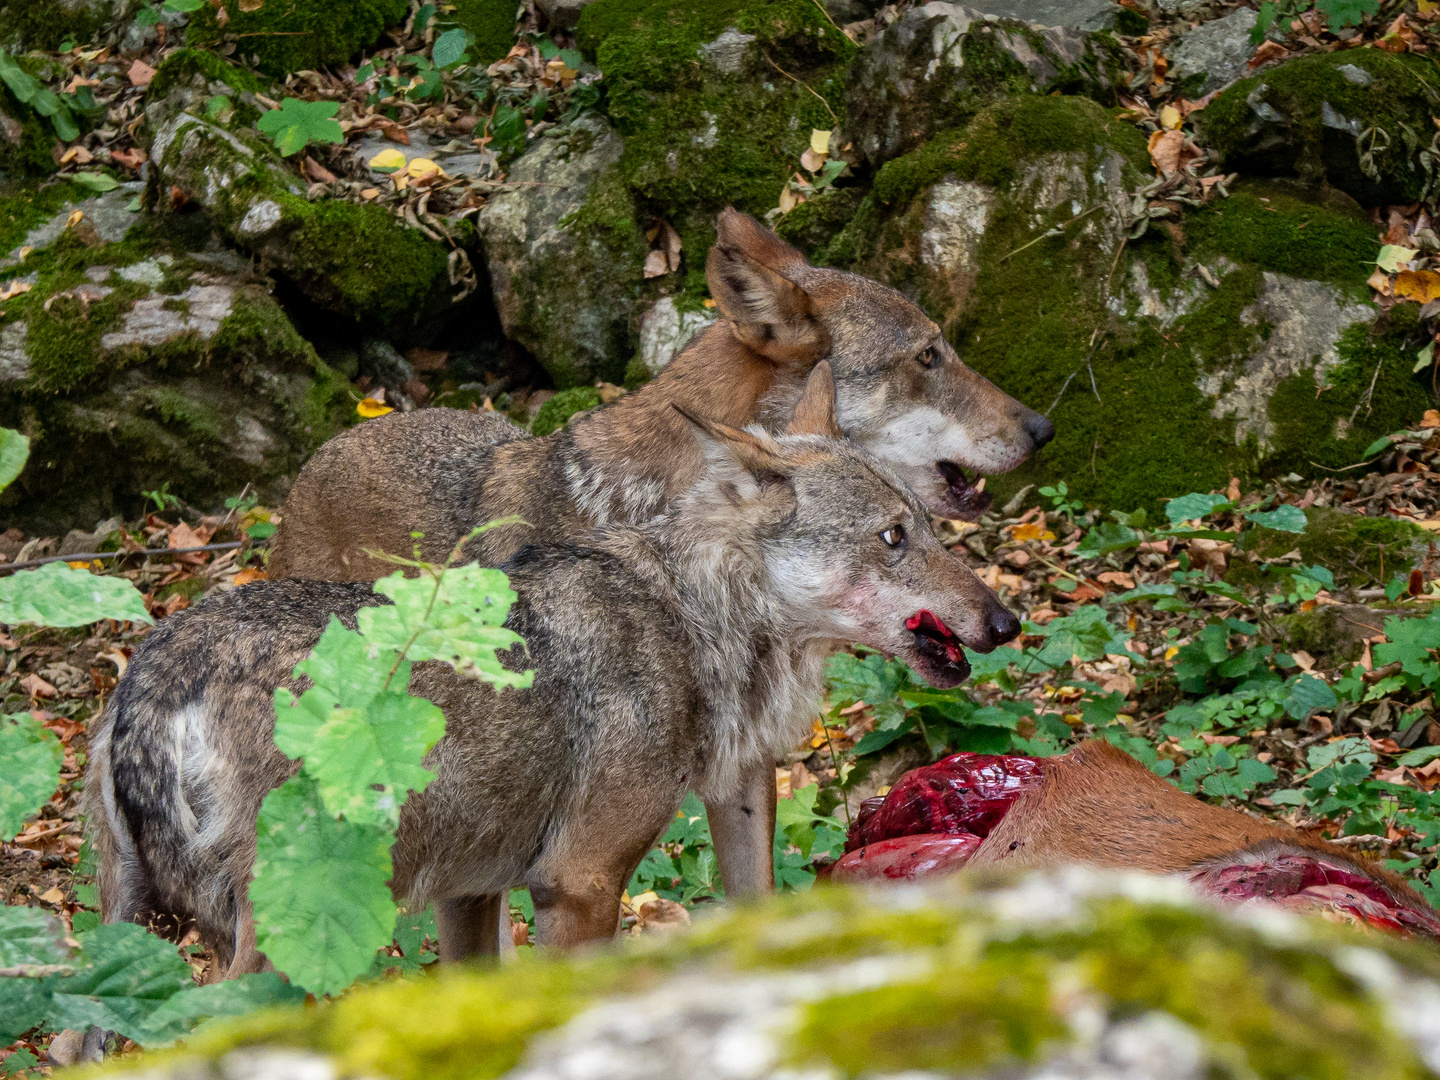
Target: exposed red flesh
<point x="907" y="857"/>
<point x="963" y="793"/>
<point x="932" y="626"/>
<point x="1309" y="881"/>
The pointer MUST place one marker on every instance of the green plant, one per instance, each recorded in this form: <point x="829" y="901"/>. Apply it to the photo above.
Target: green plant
<point x="322" y="905"/>
<point x="59" y="109"/>
<point x="297" y="124"/>
<point x="162" y="498"/>
<point x="1060" y="500"/>
<point x="1338" y="14"/>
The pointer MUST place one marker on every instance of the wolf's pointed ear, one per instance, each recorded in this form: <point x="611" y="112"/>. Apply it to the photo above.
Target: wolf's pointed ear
<point x="753" y="454"/>
<point x="815" y="415"/>
<point x="747" y="272"/>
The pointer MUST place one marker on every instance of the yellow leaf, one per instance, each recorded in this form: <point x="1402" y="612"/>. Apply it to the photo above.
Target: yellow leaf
<point x="423" y="167"/>
<point x="1392" y="257"/>
<point x="388" y="159"/>
<point x="80" y="565"/>
<point x="76" y="216"/>
<point x="25" y="251"/>
<point x="643" y="898"/>
<point x="370" y="193"/>
<point x="370" y="408"/>
<point x="1031" y="531"/>
<point x="1422" y="286"/>
<point x="1170" y="117"/>
<point x="1172" y="652"/>
<point x="1427" y="6"/>
<point x="820" y="141"/>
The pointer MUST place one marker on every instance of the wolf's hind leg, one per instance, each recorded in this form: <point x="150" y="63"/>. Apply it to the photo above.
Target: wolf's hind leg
<point x="577" y="881"/>
<point x="742" y="826"/>
<point x="469" y="926"/>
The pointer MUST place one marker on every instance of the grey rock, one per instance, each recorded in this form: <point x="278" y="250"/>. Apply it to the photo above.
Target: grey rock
<point x="382" y="362"/>
<point x="75" y="542"/>
<point x="14" y="359"/>
<point x="665" y="330"/>
<point x="566" y="292"/>
<point x="452" y="155"/>
<point x="1305" y="319"/>
<point x="109" y="213"/>
<point x="563" y="14"/>
<point x="1357" y="75"/>
<point x="1213" y="55"/>
<point x="146" y="272"/>
<point x="158" y="319"/>
<point x="913" y="80"/>
<point x="1081" y="14"/>
<point x="727" y="52"/>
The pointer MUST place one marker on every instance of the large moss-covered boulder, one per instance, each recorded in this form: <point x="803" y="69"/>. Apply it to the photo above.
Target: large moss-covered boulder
<point x="296" y="34"/>
<point x="716" y="102"/>
<point x="356" y="261"/>
<point x="1071" y="974"/>
<point x="47" y="24"/>
<point x="566" y="255"/>
<point x="1240" y="343"/>
<point x="1357" y="120"/>
<point x="939" y="64"/>
<point x="143" y="361"/>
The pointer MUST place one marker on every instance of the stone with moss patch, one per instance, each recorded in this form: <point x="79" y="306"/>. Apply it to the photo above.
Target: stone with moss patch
<point x="357" y="261"/>
<point x="189" y="79"/>
<point x="565" y="254"/>
<point x="1157" y="381"/>
<point x="493" y="24"/>
<point x="140" y="362"/>
<point x="1356" y="119"/>
<point x="31" y="24"/>
<point x="1067" y="974"/>
<point x="939" y="64"/>
<point x="556" y="411"/>
<point x="297" y="34"/>
<point x="1363" y="550"/>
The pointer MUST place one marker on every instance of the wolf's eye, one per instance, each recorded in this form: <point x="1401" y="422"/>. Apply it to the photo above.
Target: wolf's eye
<point x="894" y="536"/>
<point x="930" y="357"/>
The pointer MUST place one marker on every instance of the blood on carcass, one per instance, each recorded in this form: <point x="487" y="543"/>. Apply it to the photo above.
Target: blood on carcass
<point x="907" y="857"/>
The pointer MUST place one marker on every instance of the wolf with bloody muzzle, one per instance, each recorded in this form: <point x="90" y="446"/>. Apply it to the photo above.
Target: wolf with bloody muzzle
<point x="670" y="656"/>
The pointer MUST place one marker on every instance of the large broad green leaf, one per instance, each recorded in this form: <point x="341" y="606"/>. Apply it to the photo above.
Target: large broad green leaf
<point x="1088" y="634"/>
<point x="450" y="47"/>
<point x="58" y="595"/>
<point x="1307" y="695"/>
<point x="322" y="906"/>
<point x="459" y="620"/>
<point x="1284" y="518"/>
<point x="298" y="123"/>
<point x="366" y="760"/>
<point x="124" y="975"/>
<point x="14" y="450"/>
<point x="30" y="936"/>
<point x="346" y="673"/>
<point x="1192" y="506"/>
<point x="30" y="760"/>
<point x="23" y="1005"/>
<point x="196" y="1006"/>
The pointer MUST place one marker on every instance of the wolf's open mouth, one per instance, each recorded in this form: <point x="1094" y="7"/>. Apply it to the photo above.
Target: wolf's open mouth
<point x="934" y="641"/>
<point x="970" y="498"/>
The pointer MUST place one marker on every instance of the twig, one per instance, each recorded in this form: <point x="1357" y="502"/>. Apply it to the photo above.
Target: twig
<point x="832" y="22"/>
<point x="793" y="79"/>
<point x="1093" y="335"/>
<point x="1367" y="399"/>
<point x="1123" y="241"/>
<point x="86" y="556"/>
<point x="1058" y="230"/>
<point x="35" y="971"/>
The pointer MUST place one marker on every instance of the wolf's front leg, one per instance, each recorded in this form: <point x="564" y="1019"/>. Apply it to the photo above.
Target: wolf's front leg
<point x="742" y="826"/>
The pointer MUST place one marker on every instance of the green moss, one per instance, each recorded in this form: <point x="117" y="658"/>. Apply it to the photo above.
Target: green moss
<point x="31" y="154"/>
<point x="298" y="34"/>
<point x="24" y="207"/>
<point x="183" y="65"/>
<point x="812" y="225"/>
<point x="1371" y="393"/>
<point x="554" y="414"/>
<point x="1390" y="114"/>
<point x="1325" y="634"/>
<point x="698" y="139"/>
<point x="1290" y="229"/>
<point x="1363" y="550"/>
<point x="45" y="26"/>
<point x="493" y="24"/>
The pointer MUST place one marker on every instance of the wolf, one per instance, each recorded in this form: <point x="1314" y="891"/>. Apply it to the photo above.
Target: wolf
<point x="901" y="393"/>
<point x="669" y="656"/>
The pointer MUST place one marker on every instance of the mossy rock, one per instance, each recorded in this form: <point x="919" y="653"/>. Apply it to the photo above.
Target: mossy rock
<point x="707" y="119"/>
<point x="353" y="260"/>
<point x="1366" y="551"/>
<point x="1283" y="367"/>
<point x="812" y="225"/>
<point x="1069" y="974"/>
<point x="937" y="67"/>
<point x="35" y="24"/>
<point x="566" y="255"/>
<point x="189" y="79"/>
<point x="283" y="37"/>
<point x="491" y="21"/>
<point x="141" y="362"/>
<point x="1355" y="119"/>
<point x="1334" y="634"/>
<point x="556" y="412"/>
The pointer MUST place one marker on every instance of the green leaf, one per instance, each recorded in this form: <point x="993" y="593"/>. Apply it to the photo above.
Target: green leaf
<point x="297" y="124"/>
<point x="1382" y="443"/>
<point x="1411" y="642"/>
<point x="1415" y="758"/>
<point x="1393" y="257"/>
<point x="1342" y="13"/>
<point x="30" y="936"/>
<point x="125" y="974"/>
<point x="1143" y="592"/>
<point x="57" y="595"/>
<point x="1192" y="506"/>
<point x="1087" y="633"/>
<point x="1424" y="358"/>
<point x="1107" y="537"/>
<point x="64" y="124"/>
<point x="1308" y="695"/>
<point x="21" y="83"/>
<point x="14" y="451"/>
<point x="147" y="16"/>
<point x="322" y="906"/>
<point x="18" y="1062"/>
<point x="450" y="47"/>
<point x="95" y="181"/>
<point x="1283" y="518"/>
<point x="30" y="760"/>
<point x="183" y="6"/>
<point x="196" y="1006"/>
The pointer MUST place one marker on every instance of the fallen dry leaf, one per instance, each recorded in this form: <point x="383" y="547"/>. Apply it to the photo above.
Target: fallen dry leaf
<point x="14" y="288"/>
<point x="316" y="172"/>
<point x="1379" y="280"/>
<point x="427" y="359"/>
<point x="1431" y="419"/>
<point x="249" y="574"/>
<point x="130" y="159"/>
<point x="1268" y="50"/>
<point x="140" y="73"/>
<point x="1116" y="577"/>
<point x="248" y="6"/>
<point x="394" y="132"/>
<point x="1170" y="151"/>
<point x="1422" y="286"/>
<point x="37" y="687"/>
<point x="78" y="154"/>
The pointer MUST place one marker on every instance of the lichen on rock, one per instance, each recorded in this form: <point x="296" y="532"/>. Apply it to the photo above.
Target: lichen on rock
<point x="1070" y="973"/>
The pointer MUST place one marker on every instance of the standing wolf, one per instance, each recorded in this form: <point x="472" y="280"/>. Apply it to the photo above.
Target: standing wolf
<point x="669" y="656"/>
<point x="902" y="394"/>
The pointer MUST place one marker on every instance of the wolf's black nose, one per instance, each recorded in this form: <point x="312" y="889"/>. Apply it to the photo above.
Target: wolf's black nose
<point x="1003" y="626"/>
<point x="1039" y="429"/>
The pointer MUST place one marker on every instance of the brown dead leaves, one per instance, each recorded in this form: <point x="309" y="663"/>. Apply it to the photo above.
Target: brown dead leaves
<point x="1171" y="151"/>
